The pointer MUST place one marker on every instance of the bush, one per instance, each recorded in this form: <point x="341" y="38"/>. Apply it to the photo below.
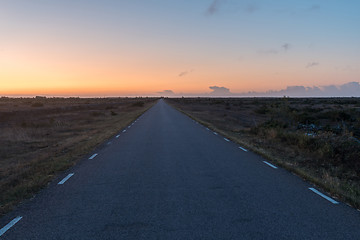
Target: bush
<point x="262" y="110"/>
<point x="138" y="104"/>
<point x="97" y="114"/>
<point x="37" y="104"/>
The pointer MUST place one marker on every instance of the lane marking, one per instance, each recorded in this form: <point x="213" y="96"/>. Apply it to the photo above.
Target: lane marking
<point x="124" y="130"/>
<point x="129" y="126"/>
<point x="245" y="150"/>
<point x="324" y="196"/>
<point x="226" y="139"/>
<point x="207" y="129"/>
<point x="269" y="164"/>
<point x="93" y="156"/>
<point x="117" y="136"/>
<point x="108" y="143"/>
<point x="215" y="133"/>
<point x="66" y="178"/>
<point x="9" y="225"/>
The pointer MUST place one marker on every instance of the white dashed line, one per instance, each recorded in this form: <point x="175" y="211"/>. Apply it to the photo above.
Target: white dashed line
<point x="215" y="133"/>
<point x="226" y="139"/>
<point x="245" y="150"/>
<point x="324" y="196"/>
<point x="117" y="136"/>
<point x="9" y="225"/>
<point x="108" y="143"/>
<point x="207" y="129"/>
<point x="129" y="126"/>
<point x="269" y="164"/>
<point x="124" y="130"/>
<point x="66" y="178"/>
<point x="93" y="156"/>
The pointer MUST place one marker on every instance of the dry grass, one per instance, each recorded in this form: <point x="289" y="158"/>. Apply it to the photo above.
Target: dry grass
<point x="40" y="137"/>
<point x="317" y="138"/>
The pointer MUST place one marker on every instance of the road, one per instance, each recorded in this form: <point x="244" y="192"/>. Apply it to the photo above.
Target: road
<point x="168" y="177"/>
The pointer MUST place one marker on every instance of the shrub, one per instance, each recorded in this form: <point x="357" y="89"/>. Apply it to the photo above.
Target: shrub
<point x="138" y="104"/>
<point x="97" y="114"/>
<point x="37" y="104"/>
<point x="262" y="110"/>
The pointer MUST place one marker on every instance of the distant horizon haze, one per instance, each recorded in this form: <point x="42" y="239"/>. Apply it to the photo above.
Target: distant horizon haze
<point x="351" y="89"/>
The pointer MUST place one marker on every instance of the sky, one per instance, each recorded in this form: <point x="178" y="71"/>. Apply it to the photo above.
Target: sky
<point x="179" y="47"/>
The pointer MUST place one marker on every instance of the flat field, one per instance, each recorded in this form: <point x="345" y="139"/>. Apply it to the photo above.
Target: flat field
<point x="40" y="137"/>
<point x="315" y="138"/>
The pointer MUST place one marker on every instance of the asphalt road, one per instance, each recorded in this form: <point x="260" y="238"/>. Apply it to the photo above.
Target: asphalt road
<point x="167" y="177"/>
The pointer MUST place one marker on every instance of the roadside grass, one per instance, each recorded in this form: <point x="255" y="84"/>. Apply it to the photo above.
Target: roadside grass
<point x="40" y="140"/>
<point x="315" y="138"/>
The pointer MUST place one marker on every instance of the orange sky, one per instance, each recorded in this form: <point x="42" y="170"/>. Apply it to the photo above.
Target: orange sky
<point x="106" y="49"/>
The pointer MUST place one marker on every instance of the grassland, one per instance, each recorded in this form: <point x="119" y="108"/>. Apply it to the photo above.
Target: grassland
<point x="40" y="137"/>
<point x="315" y="138"/>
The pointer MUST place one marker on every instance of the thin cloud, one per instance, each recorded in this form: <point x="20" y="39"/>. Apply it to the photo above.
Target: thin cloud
<point x="315" y="7"/>
<point x="166" y="93"/>
<point x="184" y="73"/>
<point x="312" y="64"/>
<point x="351" y="89"/>
<point x="251" y="8"/>
<point x="214" y="7"/>
<point x="268" y="52"/>
<point x="220" y="91"/>
<point x="286" y="46"/>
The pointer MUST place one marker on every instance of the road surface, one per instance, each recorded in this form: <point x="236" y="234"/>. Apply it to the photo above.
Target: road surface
<point x="168" y="177"/>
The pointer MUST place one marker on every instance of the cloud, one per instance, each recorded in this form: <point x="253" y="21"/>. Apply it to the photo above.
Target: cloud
<point x="185" y="73"/>
<point x="220" y="91"/>
<point x="286" y="46"/>
<point x="250" y="8"/>
<point x="330" y="89"/>
<point x="312" y="64"/>
<point x="166" y="93"/>
<point x="268" y="52"/>
<point x="214" y="7"/>
<point x="351" y="89"/>
<point x="314" y="7"/>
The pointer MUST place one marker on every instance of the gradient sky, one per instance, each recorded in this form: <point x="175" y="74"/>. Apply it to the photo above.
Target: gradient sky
<point x="141" y="47"/>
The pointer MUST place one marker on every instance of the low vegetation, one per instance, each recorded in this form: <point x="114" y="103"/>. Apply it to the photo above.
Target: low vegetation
<point x="40" y="137"/>
<point x="316" y="138"/>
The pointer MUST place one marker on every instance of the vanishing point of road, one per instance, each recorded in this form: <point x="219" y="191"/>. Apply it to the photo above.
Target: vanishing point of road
<point x="168" y="177"/>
